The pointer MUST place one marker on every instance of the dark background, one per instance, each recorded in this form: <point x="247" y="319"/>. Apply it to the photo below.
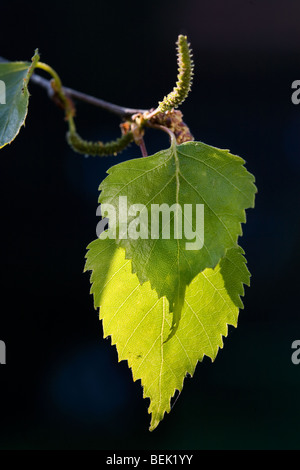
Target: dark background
<point x="62" y="387"/>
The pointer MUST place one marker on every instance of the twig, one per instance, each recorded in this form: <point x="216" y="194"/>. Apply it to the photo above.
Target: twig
<point x="113" y="108"/>
<point x="143" y="147"/>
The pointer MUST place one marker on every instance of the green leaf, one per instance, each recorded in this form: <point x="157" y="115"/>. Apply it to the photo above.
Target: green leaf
<point x="139" y="322"/>
<point x="15" y="75"/>
<point x="189" y="174"/>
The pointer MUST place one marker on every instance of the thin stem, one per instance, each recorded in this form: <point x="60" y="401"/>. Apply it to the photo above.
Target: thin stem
<point x="143" y="147"/>
<point x="113" y="108"/>
<point x="58" y="89"/>
<point x="51" y="71"/>
<point x="164" y="129"/>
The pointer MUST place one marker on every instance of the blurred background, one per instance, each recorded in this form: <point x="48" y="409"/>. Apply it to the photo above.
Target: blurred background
<point x="62" y="387"/>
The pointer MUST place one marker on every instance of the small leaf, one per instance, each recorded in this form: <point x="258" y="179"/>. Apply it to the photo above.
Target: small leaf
<point x="189" y="174"/>
<point x="139" y="322"/>
<point x="15" y="75"/>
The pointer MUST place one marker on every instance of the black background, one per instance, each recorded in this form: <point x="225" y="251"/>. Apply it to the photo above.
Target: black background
<point x="62" y="387"/>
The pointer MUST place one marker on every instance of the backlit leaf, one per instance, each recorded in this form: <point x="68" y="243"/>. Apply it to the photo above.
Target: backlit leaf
<point x="139" y="322"/>
<point x="189" y="174"/>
